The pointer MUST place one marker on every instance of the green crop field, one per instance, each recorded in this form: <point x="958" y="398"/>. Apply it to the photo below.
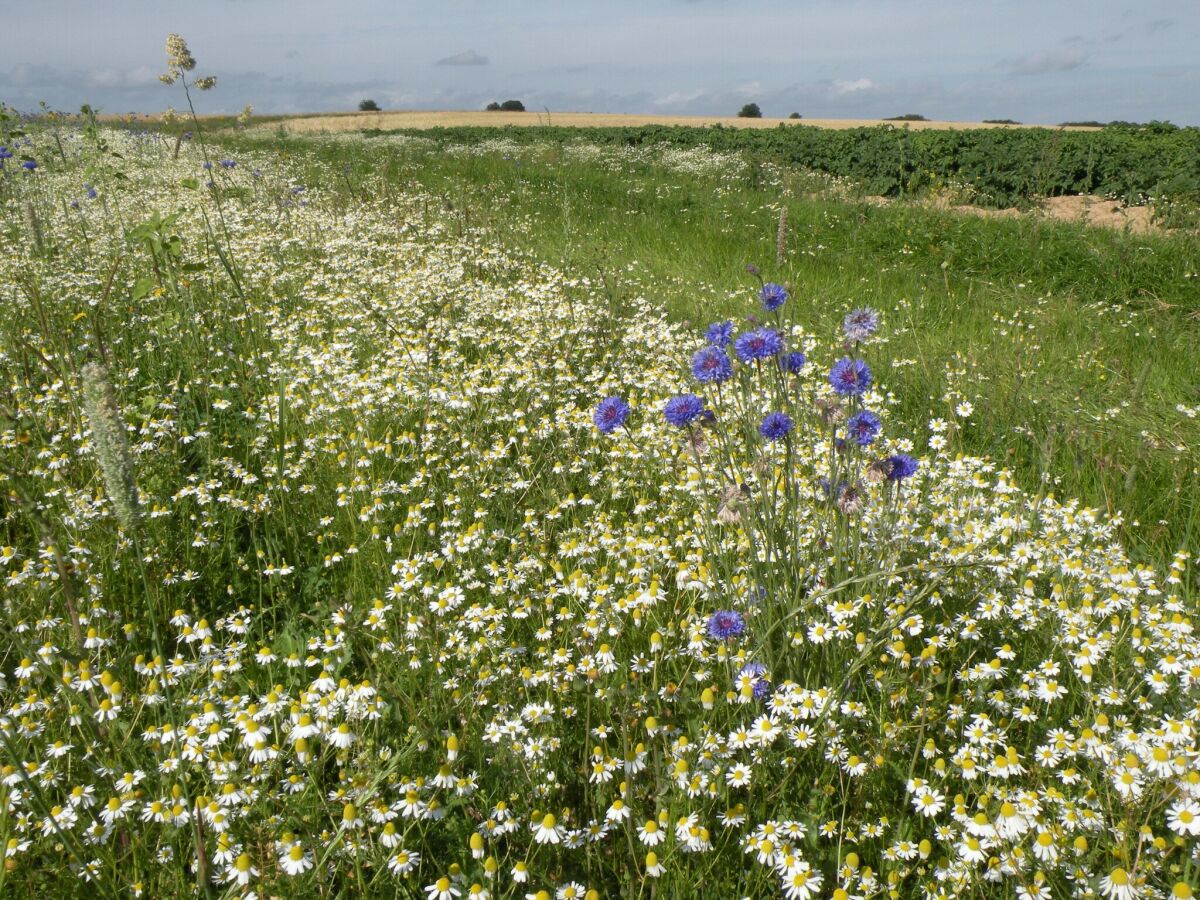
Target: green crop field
<point x="566" y="515"/>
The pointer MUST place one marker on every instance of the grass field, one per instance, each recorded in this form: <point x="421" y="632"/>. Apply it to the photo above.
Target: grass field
<point x="1071" y="342"/>
<point x="389" y="516"/>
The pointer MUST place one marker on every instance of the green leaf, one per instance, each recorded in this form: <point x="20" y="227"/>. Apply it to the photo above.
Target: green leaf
<point x="190" y="183"/>
<point x="141" y="288"/>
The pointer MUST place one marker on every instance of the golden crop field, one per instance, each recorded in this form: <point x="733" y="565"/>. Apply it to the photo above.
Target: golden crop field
<point x="453" y="118"/>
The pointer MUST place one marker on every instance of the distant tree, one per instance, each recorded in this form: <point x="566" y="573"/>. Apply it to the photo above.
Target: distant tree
<point x="907" y="117"/>
<point x="1001" y="122"/>
<point x="493" y="107"/>
<point x="750" y="111"/>
<point x="512" y="106"/>
<point x="368" y="106"/>
<point x="794" y="116"/>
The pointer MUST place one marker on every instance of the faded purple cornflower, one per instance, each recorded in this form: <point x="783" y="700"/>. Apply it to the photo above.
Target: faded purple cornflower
<point x="610" y="414"/>
<point x="901" y="466"/>
<point x="793" y="362"/>
<point x="860" y="324"/>
<point x="719" y="334"/>
<point x="683" y="410"/>
<point x="850" y="376"/>
<point x="725" y="624"/>
<point x="228" y="163"/>
<point x="772" y="296"/>
<point x="863" y="427"/>
<point x="207" y="165"/>
<point x="762" y="343"/>
<point x="711" y="365"/>
<point x="775" y="426"/>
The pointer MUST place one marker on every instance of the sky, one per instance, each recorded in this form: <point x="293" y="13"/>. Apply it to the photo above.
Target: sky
<point x="1036" y="61"/>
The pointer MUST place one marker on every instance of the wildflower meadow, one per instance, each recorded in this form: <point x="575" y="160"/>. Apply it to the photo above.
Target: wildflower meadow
<point x="347" y="551"/>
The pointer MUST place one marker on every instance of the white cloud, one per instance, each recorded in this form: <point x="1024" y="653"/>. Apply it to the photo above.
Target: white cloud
<point x="122" y="78"/>
<point x="853" y="87"/>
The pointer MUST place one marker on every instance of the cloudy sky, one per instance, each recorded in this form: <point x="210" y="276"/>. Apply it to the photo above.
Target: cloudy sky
<point x="1033" y="60"/>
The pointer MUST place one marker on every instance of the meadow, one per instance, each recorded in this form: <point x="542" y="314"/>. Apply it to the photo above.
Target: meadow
<point x="391" y="516"/>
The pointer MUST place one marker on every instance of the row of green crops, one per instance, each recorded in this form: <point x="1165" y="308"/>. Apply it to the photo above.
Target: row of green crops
<point x="1004" y="166"/>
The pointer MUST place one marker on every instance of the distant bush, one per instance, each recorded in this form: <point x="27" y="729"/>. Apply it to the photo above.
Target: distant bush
<point x="750" y="111"/>
<point x="368" y="106"/>
<point x="493" y="107"/>
<point x="1086" y="123"/>
<point x="1001" y="122"/>
<point x="512" y="106"/>
<point x="907" y="117"/>
<point x="794" y="116"/>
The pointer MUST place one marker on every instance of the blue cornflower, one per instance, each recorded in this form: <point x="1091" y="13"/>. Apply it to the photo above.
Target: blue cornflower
<point x="5" y="153"/>
<point x="794" y="361"/>
<point x="775" y="426"/>
<point x="610" y="414"/>
<point x="74" y="204"/>
<point x="719" y="334"/>
<point x="850" y="376"/>
<point x="298" y="189"/>
<point x="863" y="427"/>
<point x="683" y="410"/>
<point x="228" y="163"/>
<point x="757" y="673"/>
<point x="29" y="165"/>
<point x="91" y="192"/>
<point x="711" y="365"/>
<point x="772" y="296"/>
<point x="761" y="343"/>
<point x="726" y="623"/>
<point x="860" y="324"/>
<point x="901" y="466"/>
<point x="207" y="165"/>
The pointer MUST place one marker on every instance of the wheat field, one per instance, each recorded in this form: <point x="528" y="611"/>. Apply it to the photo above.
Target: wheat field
<point x="455" y="118"/>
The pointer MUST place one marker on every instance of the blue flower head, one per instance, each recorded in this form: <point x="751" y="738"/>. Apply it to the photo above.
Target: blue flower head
<point x="719" y="334"/>
<point x="850" y="376"/>
<point x="5" y="153"/>
<point x="683" y="410"/>
<point x="775" y="426"/>
<point x="725" y="624"/>
<point x="228" y="163"/>
<point x="207" y="165"/>
<point x="711" y="365"/>
<point x="794" y="361"/>
<point x="860" y="324"/>
<point x="761" y="343"/>
<point x="757" y="673"/>
<point x="610" y="414"/>
<point x="772" y="296"/>
<point x="901" y="466"/>
<point x="29" y="165"/>
<point x="863" y="427"/>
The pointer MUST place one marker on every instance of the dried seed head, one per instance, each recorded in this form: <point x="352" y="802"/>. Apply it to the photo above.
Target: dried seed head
<point x="112" y="443"/>
<point x="781" y="237"/>
<point x="179" y="57"/>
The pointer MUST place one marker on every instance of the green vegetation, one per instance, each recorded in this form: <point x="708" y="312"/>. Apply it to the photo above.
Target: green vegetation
<point x="750" y="111"/>
<point x="1004" y="167"/>
<point x="1074" y="344"/>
